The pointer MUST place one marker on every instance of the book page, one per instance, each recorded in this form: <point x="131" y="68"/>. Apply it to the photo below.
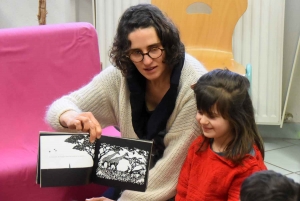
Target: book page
<point x="57" y="153"/>
<point x="122" y="162"/>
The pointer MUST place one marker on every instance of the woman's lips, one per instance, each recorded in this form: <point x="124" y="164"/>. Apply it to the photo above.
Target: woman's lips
<point x="149" y="69"/>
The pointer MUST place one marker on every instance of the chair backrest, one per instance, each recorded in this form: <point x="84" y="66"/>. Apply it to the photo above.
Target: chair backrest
<point x="207" y="36"/>
<point x="39" y="64"/>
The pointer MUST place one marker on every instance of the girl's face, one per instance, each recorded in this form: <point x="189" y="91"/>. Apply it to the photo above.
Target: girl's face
<point x="142" y="41"/>
<point x="214" y="126"/>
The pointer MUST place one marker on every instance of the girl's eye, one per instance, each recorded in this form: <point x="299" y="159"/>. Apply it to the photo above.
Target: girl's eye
<point x="212" y="116"/>
<point x="200" y="112"/>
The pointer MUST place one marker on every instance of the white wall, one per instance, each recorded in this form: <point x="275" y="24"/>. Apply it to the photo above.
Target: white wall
<point x="19" y="13"/>
<point x="291" y="35"/>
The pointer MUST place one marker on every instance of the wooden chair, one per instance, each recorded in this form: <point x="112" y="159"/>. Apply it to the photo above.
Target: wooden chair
<point x="207" y="36"/>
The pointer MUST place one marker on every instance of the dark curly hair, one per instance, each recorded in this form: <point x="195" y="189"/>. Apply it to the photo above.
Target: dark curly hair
<point x="269" y="185"/>
<point x="144" y="16"/>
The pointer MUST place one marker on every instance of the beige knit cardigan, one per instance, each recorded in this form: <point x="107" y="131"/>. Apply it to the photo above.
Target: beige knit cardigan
<point x="107" y="97"/>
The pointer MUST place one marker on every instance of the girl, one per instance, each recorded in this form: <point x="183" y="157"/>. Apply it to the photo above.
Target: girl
<point x="230" y="148"/>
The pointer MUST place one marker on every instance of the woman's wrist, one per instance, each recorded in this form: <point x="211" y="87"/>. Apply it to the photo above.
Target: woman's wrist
<point x="66" y="116"/>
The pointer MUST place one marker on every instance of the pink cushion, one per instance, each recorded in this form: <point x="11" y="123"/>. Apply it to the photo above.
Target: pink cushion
<point x="39" y="64"/>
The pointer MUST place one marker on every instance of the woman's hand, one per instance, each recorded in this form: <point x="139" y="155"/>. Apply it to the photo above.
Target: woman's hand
<point x="84" y="122"/>
<point x="99" y="199"/>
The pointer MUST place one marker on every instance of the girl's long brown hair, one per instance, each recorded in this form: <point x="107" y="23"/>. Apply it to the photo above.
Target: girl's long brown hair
<point x="228" y="91"/>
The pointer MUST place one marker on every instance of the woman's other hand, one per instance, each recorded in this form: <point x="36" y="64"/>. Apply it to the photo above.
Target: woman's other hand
<point x="84" y="122"/>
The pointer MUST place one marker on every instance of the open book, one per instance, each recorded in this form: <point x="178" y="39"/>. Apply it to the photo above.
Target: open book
<point x="68" y="159"/>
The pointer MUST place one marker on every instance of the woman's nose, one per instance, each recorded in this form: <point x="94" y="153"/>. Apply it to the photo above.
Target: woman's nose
<point x="147" y="59"/>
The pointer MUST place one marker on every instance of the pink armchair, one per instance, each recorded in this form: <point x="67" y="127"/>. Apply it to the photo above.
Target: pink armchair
<point x="37" y="65"/>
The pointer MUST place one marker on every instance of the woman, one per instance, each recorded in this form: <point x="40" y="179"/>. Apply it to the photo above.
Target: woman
<point x="146" y="95"/>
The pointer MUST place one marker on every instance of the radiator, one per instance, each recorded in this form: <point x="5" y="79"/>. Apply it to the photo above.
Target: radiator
<point x="257" y="40"/>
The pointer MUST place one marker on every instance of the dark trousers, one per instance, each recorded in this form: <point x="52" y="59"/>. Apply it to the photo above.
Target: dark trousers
<point x="112" y="193"/>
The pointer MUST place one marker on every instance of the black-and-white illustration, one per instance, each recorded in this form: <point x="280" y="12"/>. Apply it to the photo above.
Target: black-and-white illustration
<point x="68" y="159"/>
<point x="122" y="163"/>
<point x="82" y="143"/>
<point x="65" y="151"/>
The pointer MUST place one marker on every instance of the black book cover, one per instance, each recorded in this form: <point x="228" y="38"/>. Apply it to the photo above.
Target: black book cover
<point x="69" y="159"/>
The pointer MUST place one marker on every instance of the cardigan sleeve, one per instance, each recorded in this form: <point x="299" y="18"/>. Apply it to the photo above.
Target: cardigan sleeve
<point x="184" y="176"/>
<point x="93" y="97"/>
<point x="234" y="190"/>
<point x="252" y="164"/>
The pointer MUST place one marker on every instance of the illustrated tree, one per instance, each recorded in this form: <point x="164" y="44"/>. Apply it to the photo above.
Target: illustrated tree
<point x="82" y="143"/>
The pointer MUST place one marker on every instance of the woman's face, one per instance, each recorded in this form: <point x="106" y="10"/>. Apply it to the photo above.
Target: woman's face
<point x="142" y="41"/>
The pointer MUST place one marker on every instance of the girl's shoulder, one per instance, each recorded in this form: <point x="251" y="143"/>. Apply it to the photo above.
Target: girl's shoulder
<point x="197" y="142"/>
<point x="255" y="160"/>
<point x="258" y="155"/>
<point x="199" y="139"/>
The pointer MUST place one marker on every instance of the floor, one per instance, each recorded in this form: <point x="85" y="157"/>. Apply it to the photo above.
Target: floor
<point x="283" y="156"/>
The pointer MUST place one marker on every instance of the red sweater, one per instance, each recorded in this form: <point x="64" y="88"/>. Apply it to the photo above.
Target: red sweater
<point x="209" y="176"/>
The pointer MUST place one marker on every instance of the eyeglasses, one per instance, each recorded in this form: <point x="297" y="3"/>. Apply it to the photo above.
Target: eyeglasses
<point x="138" y="56"/>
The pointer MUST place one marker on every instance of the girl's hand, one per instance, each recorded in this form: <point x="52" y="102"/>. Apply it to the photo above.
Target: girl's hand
<point x="83" y="122"/>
